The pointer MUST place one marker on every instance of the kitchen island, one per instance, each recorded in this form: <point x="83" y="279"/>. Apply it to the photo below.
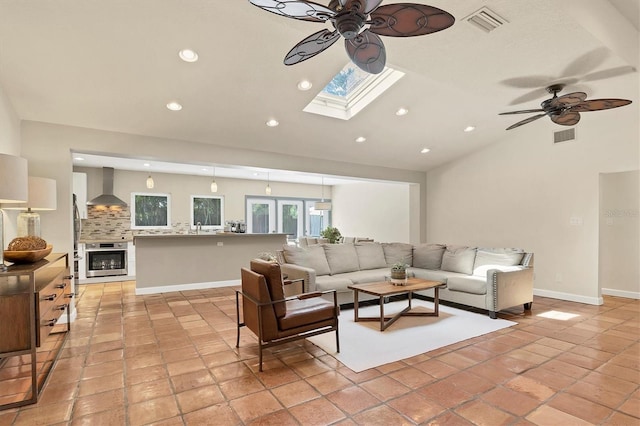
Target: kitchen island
<point x="177" y="262"/>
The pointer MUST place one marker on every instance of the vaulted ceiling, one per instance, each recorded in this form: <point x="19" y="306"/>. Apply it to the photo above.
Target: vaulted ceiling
<point x="114" y="65"/>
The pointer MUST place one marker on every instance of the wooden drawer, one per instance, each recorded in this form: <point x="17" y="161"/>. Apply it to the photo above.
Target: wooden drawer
<point x="51" y="302"/>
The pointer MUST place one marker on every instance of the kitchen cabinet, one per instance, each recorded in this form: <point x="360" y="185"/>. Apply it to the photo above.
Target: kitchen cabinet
<point x="33" y="297"/>
<point x="80" y="189"/>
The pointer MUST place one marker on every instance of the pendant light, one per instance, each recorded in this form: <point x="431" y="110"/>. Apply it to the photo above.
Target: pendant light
<point x="150" y="183"/>
<point x="322" y="205"/>
<point x="214" y="185"/>
<point x="267" y="190"/>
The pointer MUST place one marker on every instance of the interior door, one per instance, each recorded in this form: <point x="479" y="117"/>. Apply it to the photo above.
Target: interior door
<point x="261" y="216"/>
<point x="291" y="218"/>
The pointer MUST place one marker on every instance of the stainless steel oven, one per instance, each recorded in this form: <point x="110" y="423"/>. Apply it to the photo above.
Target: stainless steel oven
<point x="106" y="259"/>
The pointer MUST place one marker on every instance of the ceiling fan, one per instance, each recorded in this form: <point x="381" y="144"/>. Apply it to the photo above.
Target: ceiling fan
<point x="360" y="22"/>
<point x="565" y="110"/>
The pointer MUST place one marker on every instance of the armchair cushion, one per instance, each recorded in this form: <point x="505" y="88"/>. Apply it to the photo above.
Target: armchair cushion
<point x="303" y="312"/>
<point x="273" y="278"/>
<point x="254" y="285"/>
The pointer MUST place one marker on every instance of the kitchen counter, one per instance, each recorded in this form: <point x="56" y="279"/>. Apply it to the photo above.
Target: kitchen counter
<point x="177" y="262"/>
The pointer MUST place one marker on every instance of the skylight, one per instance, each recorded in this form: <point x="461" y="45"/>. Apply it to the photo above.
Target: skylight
<point x="350" y="91"/>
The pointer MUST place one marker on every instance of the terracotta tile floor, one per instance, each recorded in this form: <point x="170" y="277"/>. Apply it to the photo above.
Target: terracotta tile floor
<point x="170" y="359"/>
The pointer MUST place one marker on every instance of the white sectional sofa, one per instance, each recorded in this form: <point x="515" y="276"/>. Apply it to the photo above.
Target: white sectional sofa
<point x="487" y="278"/>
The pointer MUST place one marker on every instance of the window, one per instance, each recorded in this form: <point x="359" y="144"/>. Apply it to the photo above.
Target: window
<point x="150" y="211"/>
<point x="295" y="217"/>
<point x="208" y="211"/>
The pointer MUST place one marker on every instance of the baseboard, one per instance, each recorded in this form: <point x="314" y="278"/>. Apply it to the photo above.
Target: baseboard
<point x="568" y="296"/>
<point x="184" y="287"/>
<point x="621" y="293"/>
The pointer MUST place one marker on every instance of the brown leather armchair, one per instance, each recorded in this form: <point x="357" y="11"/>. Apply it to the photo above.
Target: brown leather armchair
<point x="276" y="319"/>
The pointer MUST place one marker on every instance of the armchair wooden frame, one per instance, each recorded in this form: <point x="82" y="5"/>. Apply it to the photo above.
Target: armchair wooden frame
<point x="264" y="308"/>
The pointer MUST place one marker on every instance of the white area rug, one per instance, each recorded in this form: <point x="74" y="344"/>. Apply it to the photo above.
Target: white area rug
<point x="364" y="346"/>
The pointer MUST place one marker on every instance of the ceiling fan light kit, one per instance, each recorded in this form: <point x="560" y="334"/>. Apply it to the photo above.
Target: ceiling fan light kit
<point x="360" y="23"/>
<point x="565" y="110"/>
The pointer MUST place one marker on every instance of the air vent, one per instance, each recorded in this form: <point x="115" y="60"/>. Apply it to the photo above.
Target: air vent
<point x="564" y="135"/>
<point x="486" y="19"/>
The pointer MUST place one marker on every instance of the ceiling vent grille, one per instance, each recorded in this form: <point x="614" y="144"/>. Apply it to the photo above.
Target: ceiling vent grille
<point x="486" y="19"/>
<point x="564" y="135"/>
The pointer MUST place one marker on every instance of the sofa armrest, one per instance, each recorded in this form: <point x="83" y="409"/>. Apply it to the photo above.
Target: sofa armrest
<point x="510" y="288"/>
<point x="295" y="272"/>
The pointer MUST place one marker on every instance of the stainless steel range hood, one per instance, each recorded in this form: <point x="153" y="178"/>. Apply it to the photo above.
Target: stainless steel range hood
<point x="107" y="198"/>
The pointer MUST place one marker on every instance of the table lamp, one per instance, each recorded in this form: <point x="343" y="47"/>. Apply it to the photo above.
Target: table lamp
<point x="42" y="196"/>
<point x="13" y="189"/>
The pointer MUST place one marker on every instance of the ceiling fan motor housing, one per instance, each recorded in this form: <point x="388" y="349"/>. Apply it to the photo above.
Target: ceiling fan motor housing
<point x="349" y="23"/>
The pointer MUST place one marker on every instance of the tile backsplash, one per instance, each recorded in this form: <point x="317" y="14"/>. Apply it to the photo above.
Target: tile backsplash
<point x="105" y="223"/>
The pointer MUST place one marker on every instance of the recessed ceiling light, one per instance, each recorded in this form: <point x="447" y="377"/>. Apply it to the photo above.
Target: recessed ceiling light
<point x="174" y="106"/>
<point x="304" y="85"/>
<point x="424" y="150"/>
<point x="469" y="129"/>
<point x="361" y="139"/>
<point x="272" y="123"/>
<point x="147" y="165"/>
<point x="78" y="158"/>
<point x="402" y="111"/>
<point x="188" y="55"/>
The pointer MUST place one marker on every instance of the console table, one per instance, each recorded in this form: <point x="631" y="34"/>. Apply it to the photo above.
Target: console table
<point x="32" y="299"/>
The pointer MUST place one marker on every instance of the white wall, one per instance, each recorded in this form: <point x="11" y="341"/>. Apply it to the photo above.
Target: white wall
<point x="9" y="126"/>
<point x="619" y="231"/>
<point x="378" y="211"/>
<point x="524" y="190"/>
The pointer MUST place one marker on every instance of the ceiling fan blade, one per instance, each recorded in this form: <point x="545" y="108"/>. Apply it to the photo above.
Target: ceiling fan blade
<point x="524" y="111"/>
<point x="371" y="6"/>
<point x="525" y="121"/>
<point x="311" y="46"/>
<point x="304" y="10"/>
<point x="566" y="118"/>
<point x="366" y="50"/>
<point x="408" y="19"/>
<point x="599" y="104"/>
<point x="568" y="100"/>
<point x="610" y="73"/>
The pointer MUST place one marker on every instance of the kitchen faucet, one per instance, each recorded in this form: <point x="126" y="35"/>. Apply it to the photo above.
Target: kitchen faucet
<point x="198" y="227"/>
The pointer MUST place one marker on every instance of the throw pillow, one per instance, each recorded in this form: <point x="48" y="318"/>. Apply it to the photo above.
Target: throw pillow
<point x="428" y="256"/>
<point x="310" y="257"/>
<point x="341" y="258"/>
<point x="458" y="259"/>
<point x="398" y="252"/>
<point x="370" y="255"/>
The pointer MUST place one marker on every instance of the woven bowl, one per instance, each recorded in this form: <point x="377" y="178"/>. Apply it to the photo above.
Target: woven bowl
<point x="27" y="256"/>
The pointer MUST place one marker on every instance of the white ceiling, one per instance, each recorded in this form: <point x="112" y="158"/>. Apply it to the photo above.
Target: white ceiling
<point x="114" y="65"/>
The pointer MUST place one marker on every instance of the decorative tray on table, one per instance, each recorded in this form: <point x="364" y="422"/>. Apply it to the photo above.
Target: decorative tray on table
<point x="27" y="256"/>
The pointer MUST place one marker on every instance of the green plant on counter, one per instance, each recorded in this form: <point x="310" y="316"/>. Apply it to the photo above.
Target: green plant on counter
<point x="332" y="234"/>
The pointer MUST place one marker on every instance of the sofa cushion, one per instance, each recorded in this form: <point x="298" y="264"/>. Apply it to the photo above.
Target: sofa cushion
<point x="398" y="252"/>
<point x="370" y="255"/>
<point x="430" y="274"/>
<point x="367" y="276"/>
<point x="333" y="282"/>
<point x="310" y="257"/>
<point x="428" y="256"/>
<point x="341" y="258"/>
<point x="458" y="259"/>
<point x="493" y="257"/>
<point x="468" y="284"/>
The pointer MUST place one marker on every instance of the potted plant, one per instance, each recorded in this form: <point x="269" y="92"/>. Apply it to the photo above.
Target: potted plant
<point x="332" y="234"/>
<point x="399" y="272"/>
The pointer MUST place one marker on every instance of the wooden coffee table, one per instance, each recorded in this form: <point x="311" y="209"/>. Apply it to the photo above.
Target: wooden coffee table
<point x="386" y="289"/>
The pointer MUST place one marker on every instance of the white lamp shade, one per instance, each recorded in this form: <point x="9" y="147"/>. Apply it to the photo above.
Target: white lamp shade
<point x="13" y="179"/>
<point x="42" y="195"/>
<point x="322" y="205"/>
